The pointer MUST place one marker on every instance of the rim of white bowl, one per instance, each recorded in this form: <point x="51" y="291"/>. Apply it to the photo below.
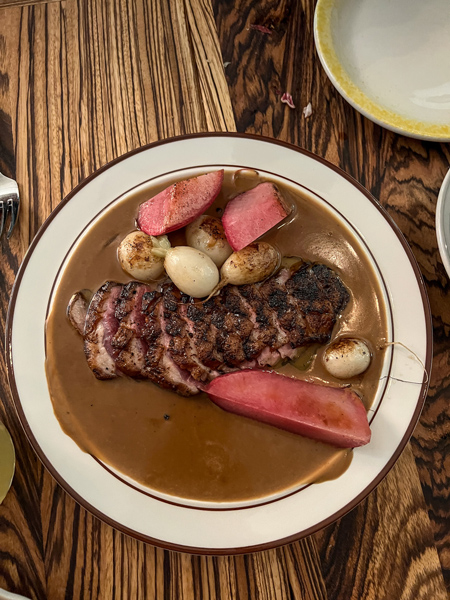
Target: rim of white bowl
<point x="348" y="89"/>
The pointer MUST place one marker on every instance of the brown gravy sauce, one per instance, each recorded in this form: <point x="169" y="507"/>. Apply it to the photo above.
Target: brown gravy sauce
<point x="188" y="447"/>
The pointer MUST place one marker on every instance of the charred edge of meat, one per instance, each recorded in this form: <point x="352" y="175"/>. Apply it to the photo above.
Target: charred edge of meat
<point x="332" y="286"/>
<point x="101" y="326"/>
<point x="95" y="303"/>
<point x="204" y="332"/>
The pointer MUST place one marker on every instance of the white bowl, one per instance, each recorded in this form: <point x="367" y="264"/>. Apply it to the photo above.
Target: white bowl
<point x="389" y="60"/>
<point x="443" y="222"/>
<point x="215" y="528"/>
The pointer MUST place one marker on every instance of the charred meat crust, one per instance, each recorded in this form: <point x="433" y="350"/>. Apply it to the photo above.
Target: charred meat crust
<point x="159" y="364"/>
<point x="180" y="343"/>
<point x="182" y="347"/>
<point x="100" y="327"/>
<point x="128" y="340"/>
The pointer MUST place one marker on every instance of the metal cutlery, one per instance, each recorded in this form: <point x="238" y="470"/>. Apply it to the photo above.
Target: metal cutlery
<point x="9" y="203"/>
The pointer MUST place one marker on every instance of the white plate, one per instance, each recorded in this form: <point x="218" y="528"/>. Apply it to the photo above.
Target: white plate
<point x="391" y="60"/>
<point x="443" y="222"/>
<point x="200" y="527"/>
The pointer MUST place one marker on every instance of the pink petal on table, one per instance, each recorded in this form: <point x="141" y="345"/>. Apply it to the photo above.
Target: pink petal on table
<point x="287" y="99"/>
<point x="261" y="28"/>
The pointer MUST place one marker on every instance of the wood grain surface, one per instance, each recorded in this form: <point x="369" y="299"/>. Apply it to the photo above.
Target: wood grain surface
<point x="5" y="3"/>
<point x="81" y="82"/>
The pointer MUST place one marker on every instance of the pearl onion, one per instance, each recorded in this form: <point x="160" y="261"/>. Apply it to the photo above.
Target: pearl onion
<point x="207" y="235"/>
<point x="347" y="358"/>
<point x="192" y="271"/>
<point x="136" y="257"/>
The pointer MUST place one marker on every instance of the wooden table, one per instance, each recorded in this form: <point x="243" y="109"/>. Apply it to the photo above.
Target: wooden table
<point x="83" y="81"/>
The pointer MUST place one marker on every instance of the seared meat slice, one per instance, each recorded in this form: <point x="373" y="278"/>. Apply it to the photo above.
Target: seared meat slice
<point x="100" y="327"/>
<point x="180" y="343"/>
<point x="181" y="346"/>
<point x="319" y="294"/>
<point x="199" y="316"/>
<point x="151" y="330"/>
<point x="159" y="365"/>
<point x="234" y="324"/>
<point x="318" y="288"/>
<point x="267" y="335"/>
<point x="128" y="341"/>
<point x="290" y="319"/>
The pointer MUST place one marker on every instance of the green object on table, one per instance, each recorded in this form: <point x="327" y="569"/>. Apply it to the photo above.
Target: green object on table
<point x="7" y="461"/>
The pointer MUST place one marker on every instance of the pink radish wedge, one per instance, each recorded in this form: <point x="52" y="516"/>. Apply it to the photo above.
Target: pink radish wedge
<point x="332" y="415"/>
<point x="251" y="214"/>
<point x="179" y="204"/>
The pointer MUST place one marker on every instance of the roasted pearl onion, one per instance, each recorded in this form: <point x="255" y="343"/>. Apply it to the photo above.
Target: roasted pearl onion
<point x="347" y="358"/>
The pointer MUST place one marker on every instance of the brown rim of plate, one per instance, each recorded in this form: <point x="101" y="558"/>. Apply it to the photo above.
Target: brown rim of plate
<point x="244" y="549"/>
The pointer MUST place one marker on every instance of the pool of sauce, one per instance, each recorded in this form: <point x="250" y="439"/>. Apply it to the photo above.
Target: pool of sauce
<point x="188" y="447"/>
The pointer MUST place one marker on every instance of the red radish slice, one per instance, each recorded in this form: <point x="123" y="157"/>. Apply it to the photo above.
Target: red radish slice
<point x="179" y="204"/>
<point x="253" y="213"/>
<point x="332" y="415"/>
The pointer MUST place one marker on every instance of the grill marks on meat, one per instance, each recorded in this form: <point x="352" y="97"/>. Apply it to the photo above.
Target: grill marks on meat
<point x="182" y="347"/>
<point x="100" y="327"/>
<point x="179" y="343"/>
<point x="159" y="364"/>
<point x="267" y="334"/>
<point x="128" y="340"/>
<point x="204" y="332"/>
<point x="319" y="295"/>
<point x="290" y="319"/>
<point x="234" y="326"/>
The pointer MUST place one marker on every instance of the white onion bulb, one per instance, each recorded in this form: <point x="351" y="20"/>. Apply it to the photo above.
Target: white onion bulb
<point x="347" y="358"/>
<point x="191" y="271"/>
<point x="136" y="257"/>
<point x="207" y="235"/>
